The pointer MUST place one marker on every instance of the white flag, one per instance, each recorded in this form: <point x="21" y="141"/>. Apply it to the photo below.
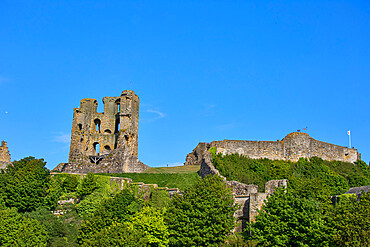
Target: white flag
<point x="348" y="132"/>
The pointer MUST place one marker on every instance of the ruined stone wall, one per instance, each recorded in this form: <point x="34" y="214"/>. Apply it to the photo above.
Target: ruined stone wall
<point x="294" y="146"/>
<point x="252" y="149"/>
<point x="4" y="155"/>
<point x="107" y="141"/>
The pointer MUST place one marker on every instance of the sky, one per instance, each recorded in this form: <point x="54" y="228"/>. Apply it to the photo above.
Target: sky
<point x="203" y="70"/>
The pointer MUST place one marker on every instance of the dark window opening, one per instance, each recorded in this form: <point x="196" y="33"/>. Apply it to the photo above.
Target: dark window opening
<point x="81" y="139"/>
<point x="107" y="147"/>
<point x="97" y="125"/>
<point x="107" y="131"/>
<point x="79" y="126"/>
<point x="117" y="126"/>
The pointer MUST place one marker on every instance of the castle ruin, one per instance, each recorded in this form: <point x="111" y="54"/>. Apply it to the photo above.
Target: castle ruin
<point x="4" y="155"/>
<point x="106" y="141"/>
<point x="294" y="146"/>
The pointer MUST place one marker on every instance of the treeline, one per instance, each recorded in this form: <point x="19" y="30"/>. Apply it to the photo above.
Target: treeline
<point x="304" y="213"/>
<point x="103" y="214"/>
<point x="96" y="212"/>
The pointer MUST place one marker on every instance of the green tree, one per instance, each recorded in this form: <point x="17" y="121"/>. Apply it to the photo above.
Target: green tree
<point x="60" y="233"/>
<point x="159" y="199"/>
<point x="16" y="230"/>
<point x="70" y="183"/>
<point x="26" y="184"/>
<point x="118" y="209"/>
<point x="290" y="220"/>
<point x="151" y="222"/>
<point x="351" y="221"/>
<point x="118" y="234"/>
<point x="88" y="185"/>
<point x="203" y="216"/>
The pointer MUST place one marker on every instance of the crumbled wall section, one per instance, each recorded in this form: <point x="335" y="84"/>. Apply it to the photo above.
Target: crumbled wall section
<point x="294" y="146"/>
<point x="4" y="155"/>
<point x="107" y="141"/>
<point x="272" y="184"/>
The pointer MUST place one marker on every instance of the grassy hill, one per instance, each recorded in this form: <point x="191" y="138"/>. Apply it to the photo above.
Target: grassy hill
<point x="180" y="177"/>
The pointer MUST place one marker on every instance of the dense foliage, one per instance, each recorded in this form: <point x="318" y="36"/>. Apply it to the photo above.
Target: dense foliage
<point x="337" y="176"/>
<point x="39" y="209"/>
<point x="303" y="214"/>
<point x="203" y="216"/>
<point x="351" y="220"/>
<point x="24" y="184"/>
<point x="17" y="230"/>
<point x="290" y="220"/>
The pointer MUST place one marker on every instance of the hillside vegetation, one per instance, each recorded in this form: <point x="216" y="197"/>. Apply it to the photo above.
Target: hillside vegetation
<point x="337" y="176"/>
<point x="42" y="209"/>
<point x="181" y="177"/>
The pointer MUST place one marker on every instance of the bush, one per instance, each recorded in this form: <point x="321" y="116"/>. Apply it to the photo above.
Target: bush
<point x="203" y="216"/>
<point x="16" y="230"/>
<point x="25" y="184"/>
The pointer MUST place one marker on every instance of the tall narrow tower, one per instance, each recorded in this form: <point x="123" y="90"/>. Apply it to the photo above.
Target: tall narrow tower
<point x="106" y="141"/>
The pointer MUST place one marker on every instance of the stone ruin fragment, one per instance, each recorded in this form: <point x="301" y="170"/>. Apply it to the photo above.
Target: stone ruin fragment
<point x="105" y="142"/>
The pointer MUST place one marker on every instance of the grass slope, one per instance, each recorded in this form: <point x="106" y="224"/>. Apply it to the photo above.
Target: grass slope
<point x="181" y="177"/>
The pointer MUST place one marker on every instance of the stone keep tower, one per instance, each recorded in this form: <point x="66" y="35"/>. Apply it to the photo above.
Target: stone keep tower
<point x="4" y="155"/>
<point x="107" y="141"/>
<point x="96" y="134"/>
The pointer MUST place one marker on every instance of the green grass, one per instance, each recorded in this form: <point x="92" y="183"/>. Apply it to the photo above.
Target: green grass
<point x="175" y="169"/>
<point x="181" y="177"/>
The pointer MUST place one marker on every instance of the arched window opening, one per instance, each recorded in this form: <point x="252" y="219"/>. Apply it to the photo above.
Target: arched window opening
<point x="96" y="148"/>
<point x="118" y="106"/>
<point x="97" y="125"/>
<point x="81" y="139"/>
<point x="107" y="131"/>
<point x="79" y="126"/>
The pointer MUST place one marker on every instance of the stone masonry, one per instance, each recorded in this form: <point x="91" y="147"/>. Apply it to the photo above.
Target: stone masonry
<point x="294" y="146"/>
<point x="4" y="155"/>
<point x="105" y="141"/>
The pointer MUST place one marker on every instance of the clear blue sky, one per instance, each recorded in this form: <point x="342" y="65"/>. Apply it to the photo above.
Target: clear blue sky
<point x="204" y="71"/>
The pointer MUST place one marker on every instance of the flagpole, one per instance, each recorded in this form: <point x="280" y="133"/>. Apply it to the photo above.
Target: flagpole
<point x="349" y="138"/>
